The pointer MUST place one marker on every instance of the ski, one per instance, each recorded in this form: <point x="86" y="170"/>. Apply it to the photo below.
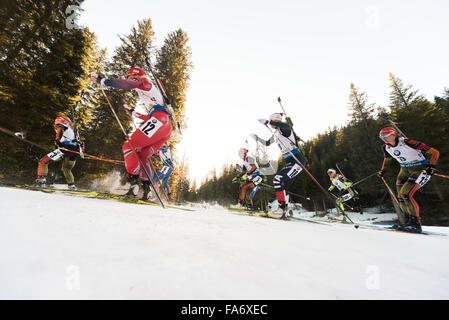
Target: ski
<point x="259" y="214"/>
<point x="96" y="195"/>
<point x="391" y="229"/>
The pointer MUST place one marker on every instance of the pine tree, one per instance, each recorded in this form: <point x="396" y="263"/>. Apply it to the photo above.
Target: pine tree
<point x="401" y="96"/>
<point x="42" y="65"/>
<point x="173" y="68"/>
<point x="361" y="110"/>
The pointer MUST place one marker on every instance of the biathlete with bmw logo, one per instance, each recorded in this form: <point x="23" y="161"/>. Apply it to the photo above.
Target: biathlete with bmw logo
<point x="417" y="162"/>
<point x="151" y="135"/>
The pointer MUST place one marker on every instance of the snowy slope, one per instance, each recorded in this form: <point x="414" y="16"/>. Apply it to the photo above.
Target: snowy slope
<point x="57" y="246"/>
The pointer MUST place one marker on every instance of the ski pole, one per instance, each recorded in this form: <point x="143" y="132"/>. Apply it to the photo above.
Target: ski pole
<point x="364" y="179"/>
<point x="309" y="174"/>
<point x="12" y="134"/>
<point x="290" y="193"/>
<point x="90" y="157"/>
<point x="132" y="147"/>
<point x="389" y="189"/>
<point x="441" y="175"/>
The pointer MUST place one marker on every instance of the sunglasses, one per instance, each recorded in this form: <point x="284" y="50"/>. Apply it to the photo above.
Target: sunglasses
<point x="385" y="136"/>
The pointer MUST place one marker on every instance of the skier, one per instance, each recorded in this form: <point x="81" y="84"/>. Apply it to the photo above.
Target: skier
<point x="166" y="171"/>
<point x="251" y="176"/>
<point x="65" y="140"/>
<point x="151" y="135"/>
<point x="285" y="137"/>
<point x="417" y="162"/>
<point x="344" y="186"/>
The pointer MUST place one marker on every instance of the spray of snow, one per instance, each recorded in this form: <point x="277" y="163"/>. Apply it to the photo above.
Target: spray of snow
<point x="109" y="183"/>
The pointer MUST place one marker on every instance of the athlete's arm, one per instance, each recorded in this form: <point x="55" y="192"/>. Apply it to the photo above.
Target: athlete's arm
<point x="253" y="168"/>
<point x="125" y="84"/>
<point x="262" y="141"/>
<point x="387" y="158"/>
<point x="432" y="154"/>
<point x="284" y="127"/>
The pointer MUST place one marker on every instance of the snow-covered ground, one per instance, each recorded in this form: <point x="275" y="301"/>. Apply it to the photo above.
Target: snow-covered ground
<point x="66" y="247"/>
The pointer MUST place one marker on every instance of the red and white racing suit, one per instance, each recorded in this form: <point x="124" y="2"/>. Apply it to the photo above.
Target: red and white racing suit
<point x="153" y="133"/>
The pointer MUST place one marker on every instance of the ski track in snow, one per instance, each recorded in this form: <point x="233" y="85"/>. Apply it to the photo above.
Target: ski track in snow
<point x="55" y="246"/>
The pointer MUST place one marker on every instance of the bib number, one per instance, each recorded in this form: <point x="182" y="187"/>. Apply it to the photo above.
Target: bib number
<point x="165" y="170"/>
<point x="294" y="171"/>
<point x="150" y="127"/>
<point x="423" y="179"/>
<point x="55" y="155"/>
<point x="256" y="180"/>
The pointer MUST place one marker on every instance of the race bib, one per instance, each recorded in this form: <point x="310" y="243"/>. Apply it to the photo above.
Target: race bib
<point x="256" y="180"/>
<point x="294" y="171"/>
<point x="55" y="155"/>
<point x="165" y="170"/>
<point x="150" y="127"/>
<point x="423" y="179"/>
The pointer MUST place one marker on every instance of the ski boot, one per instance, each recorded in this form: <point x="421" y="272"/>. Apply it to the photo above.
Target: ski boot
<point x="400" y="226"/>
<point x="133" y="179"/>
<point x="169" y="197"/>
<point x="289" y="209"/>
<point x="41" y="182"/>
<point x="71" y="186"/>
<point x="413" y="225"/>
<point x="146" y="190"/>
<point x="280" y="212"/>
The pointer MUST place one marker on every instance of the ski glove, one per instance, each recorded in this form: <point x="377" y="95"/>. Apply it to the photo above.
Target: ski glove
<point x="244" y="177"/>
<point x="235" y="179"/>
<point x="254" y="136"/>
<point x="381" y="173"/>
<point x="430" y="170"/>
<point x="20" y="135"/>
<point x="264" y="121"/>
<point x="96" y="78"/>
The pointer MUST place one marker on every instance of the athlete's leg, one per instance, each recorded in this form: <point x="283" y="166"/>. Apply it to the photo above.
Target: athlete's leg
<point x="283" y="180"/>
<point x="400" y="182"/>
<point x="66" y="168"/>
<point x="42" y="169"/>
<point x="152" y="135"/>
<point x="243" y="191"/>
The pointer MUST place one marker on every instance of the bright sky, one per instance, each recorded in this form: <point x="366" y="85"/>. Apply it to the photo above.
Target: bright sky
<point x="246" y="53"/>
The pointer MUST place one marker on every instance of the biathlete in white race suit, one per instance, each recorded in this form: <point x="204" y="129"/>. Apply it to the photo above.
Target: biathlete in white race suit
<point x="152" y="134"/>
<point x="65" y="140"/>
<point x="251" y="176"/>
<point x="343" y="185"/>
<point x="286" y="140"/>
<point x="417" y="161"/>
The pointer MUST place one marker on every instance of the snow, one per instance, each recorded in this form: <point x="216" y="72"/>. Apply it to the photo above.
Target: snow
<point x="55" y="246"/>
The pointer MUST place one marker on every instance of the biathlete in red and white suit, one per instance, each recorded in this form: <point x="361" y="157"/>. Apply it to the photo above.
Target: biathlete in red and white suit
<point x="155" y="130"/>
